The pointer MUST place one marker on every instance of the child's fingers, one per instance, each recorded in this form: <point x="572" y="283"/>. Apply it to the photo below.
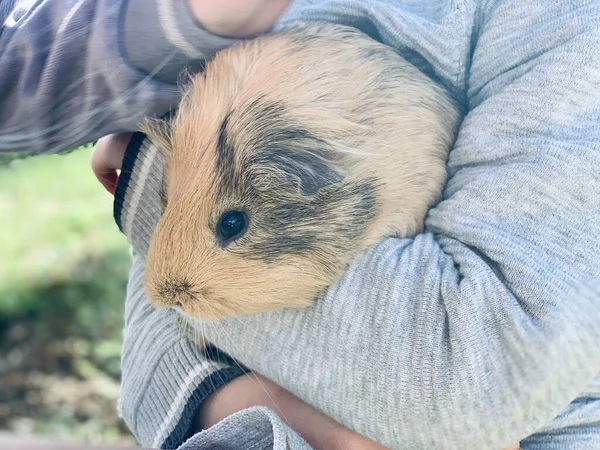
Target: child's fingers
<point x="109" y="181"/>
<point x="238" y="18"/>
<point x="107" y="158"/>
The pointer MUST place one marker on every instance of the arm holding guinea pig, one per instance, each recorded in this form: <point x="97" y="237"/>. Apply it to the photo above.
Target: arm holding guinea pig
<point x="483" y="328"/>
<point x="76" y="70"/>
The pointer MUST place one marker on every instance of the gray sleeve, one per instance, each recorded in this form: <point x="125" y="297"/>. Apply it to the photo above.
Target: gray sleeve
<point x="480" y="331"/>
<point x="256" y="428"/>
<point x="74" y="71"/>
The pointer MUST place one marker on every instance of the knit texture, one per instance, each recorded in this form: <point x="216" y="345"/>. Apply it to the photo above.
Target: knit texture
<point x="255" y="428"/>
<point x="479" y="331"/>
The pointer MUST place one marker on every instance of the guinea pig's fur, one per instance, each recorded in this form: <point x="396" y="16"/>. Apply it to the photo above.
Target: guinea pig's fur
<point x="326" y="140"/>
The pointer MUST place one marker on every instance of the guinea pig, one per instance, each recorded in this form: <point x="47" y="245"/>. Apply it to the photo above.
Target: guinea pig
<point x="289" y="155"/>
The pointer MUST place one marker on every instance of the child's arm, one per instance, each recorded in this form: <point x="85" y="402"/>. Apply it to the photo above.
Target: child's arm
<point x="76" y="70"/>
<point x="483" y="329"/>
<point x="234" y="389"/>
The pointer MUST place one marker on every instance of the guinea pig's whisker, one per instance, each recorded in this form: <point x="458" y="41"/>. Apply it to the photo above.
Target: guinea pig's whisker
<point x="256" y="332"/>
<point x="195" y="332"/>
<point x="351" y="151"/>
<point x="207" y="351"/>
<point x="213" y="325"/>
<point x="218" y="325"/>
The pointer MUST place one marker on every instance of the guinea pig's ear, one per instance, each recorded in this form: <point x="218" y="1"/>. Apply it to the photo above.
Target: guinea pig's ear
<point x="311" y="172"/>
<point x="159" y="132"/>
<point x="306" y="169"/>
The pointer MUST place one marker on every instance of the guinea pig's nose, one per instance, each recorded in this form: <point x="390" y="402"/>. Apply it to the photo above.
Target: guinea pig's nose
<point x="176" y="292"/>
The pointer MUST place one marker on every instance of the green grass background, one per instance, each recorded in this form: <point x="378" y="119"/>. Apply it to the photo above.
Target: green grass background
<point x="63" y="271"/>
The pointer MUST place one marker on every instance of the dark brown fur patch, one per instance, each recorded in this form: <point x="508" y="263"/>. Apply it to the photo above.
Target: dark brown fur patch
<point x="226" y="154"/>
<point x="326" y="223"/>
<point x="317" y="226"/>
<point x="290" y="187"/>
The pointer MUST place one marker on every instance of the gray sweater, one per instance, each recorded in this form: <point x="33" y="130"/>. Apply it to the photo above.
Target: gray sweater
<point x="479" y="332"/>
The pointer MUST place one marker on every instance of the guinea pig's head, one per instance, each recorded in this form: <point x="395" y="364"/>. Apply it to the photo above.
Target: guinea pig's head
<point x="262" y="206"/>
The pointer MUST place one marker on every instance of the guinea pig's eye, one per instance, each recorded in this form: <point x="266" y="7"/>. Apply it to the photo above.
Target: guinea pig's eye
<point x="232" y="225"/>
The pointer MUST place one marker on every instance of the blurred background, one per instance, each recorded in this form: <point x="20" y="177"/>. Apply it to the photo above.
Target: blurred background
<point x="63" y="271"/>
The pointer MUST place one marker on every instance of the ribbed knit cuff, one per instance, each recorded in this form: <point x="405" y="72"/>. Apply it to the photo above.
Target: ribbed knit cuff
<point x="174" y="391"/>
<point x="131" y="153"/>
<point x="137" y="206"/>
<point x="165" y="376"/>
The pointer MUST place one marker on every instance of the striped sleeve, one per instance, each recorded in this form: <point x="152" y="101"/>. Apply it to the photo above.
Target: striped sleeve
<point x="74" y="71"/>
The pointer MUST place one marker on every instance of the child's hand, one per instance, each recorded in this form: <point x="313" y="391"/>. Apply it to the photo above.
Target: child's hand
<point x="237" y="18"/>
<point x="320" y="432"/>
<point x="107" y="158"/>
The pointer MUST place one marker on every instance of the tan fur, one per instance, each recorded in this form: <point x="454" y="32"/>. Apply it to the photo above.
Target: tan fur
<point x="382" y="117"/>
